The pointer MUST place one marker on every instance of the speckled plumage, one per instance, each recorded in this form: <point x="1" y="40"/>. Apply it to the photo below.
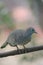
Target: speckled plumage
<point x="19" y="37"/>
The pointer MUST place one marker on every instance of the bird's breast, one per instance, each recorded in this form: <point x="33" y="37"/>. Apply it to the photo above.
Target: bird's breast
<point x="23" y="40"/>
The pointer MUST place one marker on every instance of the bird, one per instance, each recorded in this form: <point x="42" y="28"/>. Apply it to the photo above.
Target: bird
<point x="19" y="37"/>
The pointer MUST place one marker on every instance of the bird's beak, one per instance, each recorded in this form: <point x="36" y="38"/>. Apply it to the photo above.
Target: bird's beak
<point x="36" y="32"/>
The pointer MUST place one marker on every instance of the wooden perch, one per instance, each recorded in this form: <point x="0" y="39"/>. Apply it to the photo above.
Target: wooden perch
<point x="21" y="51"/>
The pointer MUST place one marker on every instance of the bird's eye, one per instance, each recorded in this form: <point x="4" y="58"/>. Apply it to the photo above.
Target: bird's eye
<point x="32" y="29"/>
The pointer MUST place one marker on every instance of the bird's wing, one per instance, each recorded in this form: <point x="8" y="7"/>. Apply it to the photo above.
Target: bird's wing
<point x="19" y="36"/>
<point x="16" y="37"/>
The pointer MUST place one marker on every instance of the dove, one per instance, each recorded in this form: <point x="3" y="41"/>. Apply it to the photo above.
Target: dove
<point x="19" y="37"/>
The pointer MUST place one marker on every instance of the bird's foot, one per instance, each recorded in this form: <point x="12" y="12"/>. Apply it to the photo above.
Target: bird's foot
<point x="17" y="49"/>
<point x="24" y="49"/>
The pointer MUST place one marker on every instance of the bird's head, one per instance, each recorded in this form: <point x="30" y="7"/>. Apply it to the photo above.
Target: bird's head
<point x="31" y="30"/>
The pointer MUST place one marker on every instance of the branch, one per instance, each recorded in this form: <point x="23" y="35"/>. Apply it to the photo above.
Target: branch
<point x="21" y="51"/>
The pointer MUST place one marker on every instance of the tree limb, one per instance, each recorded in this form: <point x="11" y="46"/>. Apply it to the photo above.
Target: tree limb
<point x="21" y="51"/>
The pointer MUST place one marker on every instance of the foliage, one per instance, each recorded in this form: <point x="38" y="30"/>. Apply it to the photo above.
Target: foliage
<point x="5" y="19"/>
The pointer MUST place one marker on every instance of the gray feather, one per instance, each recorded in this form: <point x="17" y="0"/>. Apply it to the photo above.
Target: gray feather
<point x="19" y="37"/>
<point x="4" y="45"/>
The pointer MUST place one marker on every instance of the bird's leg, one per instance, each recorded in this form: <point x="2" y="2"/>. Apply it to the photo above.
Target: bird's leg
<point x="17" y="47"/>
<point x="24" y="48"/>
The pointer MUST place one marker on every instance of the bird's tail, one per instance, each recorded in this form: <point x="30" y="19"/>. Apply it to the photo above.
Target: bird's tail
<point x="4" y="45"/>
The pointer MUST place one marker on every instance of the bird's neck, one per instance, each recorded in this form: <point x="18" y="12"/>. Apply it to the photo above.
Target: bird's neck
<point x="28" y="34"/>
